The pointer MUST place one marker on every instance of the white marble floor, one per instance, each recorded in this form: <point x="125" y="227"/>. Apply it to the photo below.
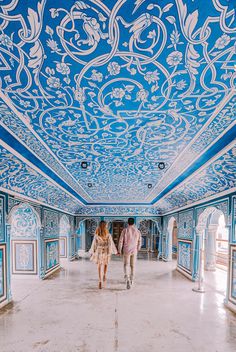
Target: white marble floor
<point x="161" y="313"/>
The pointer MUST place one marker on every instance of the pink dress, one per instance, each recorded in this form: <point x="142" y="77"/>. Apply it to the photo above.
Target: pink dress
<point x="102" y="249"/>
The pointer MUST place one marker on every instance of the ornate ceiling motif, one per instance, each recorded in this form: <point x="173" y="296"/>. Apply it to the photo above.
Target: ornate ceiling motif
<point x="122" y="85"/>
<point x="118" y="210"/>
<point x="216" y="177"/>
<point x="19" y="177"/>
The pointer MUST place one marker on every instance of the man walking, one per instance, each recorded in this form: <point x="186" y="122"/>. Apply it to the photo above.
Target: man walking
<point x="130" y="242"/>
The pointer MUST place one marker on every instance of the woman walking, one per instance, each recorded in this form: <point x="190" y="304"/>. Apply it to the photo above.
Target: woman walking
<point x="101" y="250"/>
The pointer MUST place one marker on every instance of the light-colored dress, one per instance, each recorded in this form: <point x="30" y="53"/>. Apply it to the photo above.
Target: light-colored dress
<point x="102" y="249"/>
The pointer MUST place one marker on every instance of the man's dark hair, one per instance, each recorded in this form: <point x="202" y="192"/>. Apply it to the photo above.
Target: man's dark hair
<point x="130" y="221"/>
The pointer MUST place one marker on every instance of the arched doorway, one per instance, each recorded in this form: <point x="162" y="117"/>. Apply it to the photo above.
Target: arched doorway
<point x="64" y="236"/>
<point x="26" y="249"/>
<point x="172" y="230"/>
<point x="25" y="227"/>
<point x="150" y="233"/>
<point x="215" y="241"/>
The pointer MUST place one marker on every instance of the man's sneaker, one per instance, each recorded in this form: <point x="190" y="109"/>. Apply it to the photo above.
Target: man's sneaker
<point x="128" y="285"/>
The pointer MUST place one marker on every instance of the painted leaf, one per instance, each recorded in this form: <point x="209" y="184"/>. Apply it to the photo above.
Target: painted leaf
<point x="36" y="55"/>
<point x="167" y="7"/>
<point x="171" y="19"/>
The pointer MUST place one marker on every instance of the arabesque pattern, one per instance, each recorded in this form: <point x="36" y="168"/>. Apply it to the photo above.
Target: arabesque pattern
<point x="122" y="85"/>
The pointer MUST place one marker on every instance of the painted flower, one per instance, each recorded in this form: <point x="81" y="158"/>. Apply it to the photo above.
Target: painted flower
<point x="118" y="93"/>
<point x="142" y="95"/>
<point x="133" y="71"/>
<point x="151" y="77"/>
<point x="6" y="41"/>
<point x="79" y="95"/>
<point x="52" y="44"/>
<point x="181" y="84"/>
<point x="113" y="68"/>
<point x="222" y="42"/>
<point x="54" y="13"/>
<point x="210" y="102"/>
<point x="97" y="76"/>
<point x="53" y="82"/>
<point x="63" y="68"/>
<point x="26" y="104"/>
<point x="174" y="58"/>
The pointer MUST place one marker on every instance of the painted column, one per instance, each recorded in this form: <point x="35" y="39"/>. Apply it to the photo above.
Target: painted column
<point x="41" y="260"/>
<point x="210" y="248"/>
<point x="169" y="245"/>
<point x="160" y="246"/>
<point x="8" y="251"/>
<point x="229" y="267"/>
<point x="196" y="255"/>
<point x="83" y="235"/>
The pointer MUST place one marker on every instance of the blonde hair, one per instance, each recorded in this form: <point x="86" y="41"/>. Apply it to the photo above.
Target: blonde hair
<point x="102" y="229"/>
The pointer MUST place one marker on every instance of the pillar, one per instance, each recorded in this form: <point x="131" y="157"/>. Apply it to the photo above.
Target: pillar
<point x="210" y="248"/>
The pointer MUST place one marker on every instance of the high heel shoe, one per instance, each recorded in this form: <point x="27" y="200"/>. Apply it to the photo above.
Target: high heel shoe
<point x="100" y="285"/>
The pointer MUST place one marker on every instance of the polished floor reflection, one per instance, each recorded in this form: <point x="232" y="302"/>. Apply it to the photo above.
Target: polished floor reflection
<point x="160" y="313"/>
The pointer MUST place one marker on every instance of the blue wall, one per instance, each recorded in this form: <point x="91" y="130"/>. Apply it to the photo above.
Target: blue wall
<point x="188" y="241"/>
<point x="44" y="257"/>
<point x="48" y="255"/>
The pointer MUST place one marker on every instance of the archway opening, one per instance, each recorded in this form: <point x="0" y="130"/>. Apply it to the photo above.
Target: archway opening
<point x="172" y="240"/>
<point x="25" y="249"/>
<point x="150" y="233"/>
<point x="215" y="246"/>
<point x="65" y="239"/>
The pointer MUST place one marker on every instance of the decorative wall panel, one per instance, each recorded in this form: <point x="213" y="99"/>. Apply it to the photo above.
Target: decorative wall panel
<point x="63" y="247"/>
<point x="3" y="273"/>
<point x="24" y="222"/>
<point x="64" y="226"/>
<point x="185" y="256"/>
<point x="24" y="257"/>
<point x="185" y="225"/>
<point x="51" y="223"/>
<point x="232" y="293"/>
<point x="52" y="254"/>
<point x="233" y="238"/>
<point x="2" y="219"/>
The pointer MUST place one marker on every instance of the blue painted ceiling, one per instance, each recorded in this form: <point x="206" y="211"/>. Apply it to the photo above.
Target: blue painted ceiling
<point x="122" y="85"/>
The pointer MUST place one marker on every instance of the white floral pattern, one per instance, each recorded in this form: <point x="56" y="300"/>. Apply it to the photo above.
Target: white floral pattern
<point x="122" y="87"/>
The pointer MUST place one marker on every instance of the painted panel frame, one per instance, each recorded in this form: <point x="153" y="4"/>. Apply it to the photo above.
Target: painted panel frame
<point x="2" y="218"/>
<point x="31" y="265"/>
<point x="232" y="284"/>
<point x="51" y="254"/>
<point x="63" y="247"/>
<point x="184" y="256"/>
<point x="3" y="273"/>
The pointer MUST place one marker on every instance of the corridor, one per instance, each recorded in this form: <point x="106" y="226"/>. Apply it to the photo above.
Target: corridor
<point x="68" y="313"/>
